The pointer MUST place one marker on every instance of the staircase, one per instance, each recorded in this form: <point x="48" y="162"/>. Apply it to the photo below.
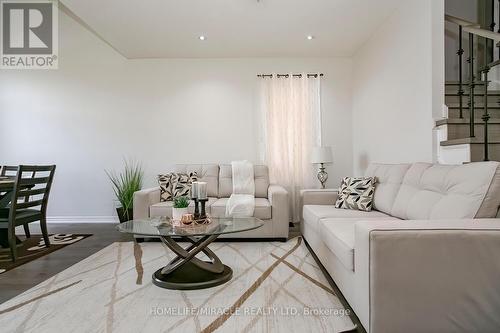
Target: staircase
<point x="457" y="145"/>
<point x="470" y="128"/>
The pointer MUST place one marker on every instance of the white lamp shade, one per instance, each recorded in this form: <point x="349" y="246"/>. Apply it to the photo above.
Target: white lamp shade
<point x="321" y="155"/>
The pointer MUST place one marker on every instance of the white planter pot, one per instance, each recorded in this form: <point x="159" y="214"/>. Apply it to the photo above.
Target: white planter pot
<point x="178" y="212"/>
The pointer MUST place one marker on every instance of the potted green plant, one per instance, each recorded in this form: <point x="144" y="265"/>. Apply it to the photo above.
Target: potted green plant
<point x="180" y="208"/>
<point x="125" y="183"/>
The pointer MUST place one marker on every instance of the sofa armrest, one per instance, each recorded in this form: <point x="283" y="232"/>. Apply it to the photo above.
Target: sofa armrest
<point x="318" y="197"/>
<point x="434" y="275"/>
<point x="280" y="210"/>
<point x="143" y="199"/>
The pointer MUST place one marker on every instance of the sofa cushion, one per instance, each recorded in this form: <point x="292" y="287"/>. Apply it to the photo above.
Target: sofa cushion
<point x="208" y="173"/>
<point x="165" y="208"/>
<point x="444" y="191"/>
<point x="356" y="193"/>
<point x="338" y="237"/>
<point x="261" y="173"/>
<point x="175" y="184"/>
<point x="313" y="213"/>
<point x="262" y="208"/>
<point x="165" y="187"/>
<point x="388" y="181"/>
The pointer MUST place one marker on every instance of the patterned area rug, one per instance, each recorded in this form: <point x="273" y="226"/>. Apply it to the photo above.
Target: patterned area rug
<point x="276" y="287"/>
<point x="34" y="247"/>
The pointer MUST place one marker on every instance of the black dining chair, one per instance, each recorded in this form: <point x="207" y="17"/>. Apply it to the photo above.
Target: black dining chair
<point x="29" y="202"/>
<point x="11" y="171"/>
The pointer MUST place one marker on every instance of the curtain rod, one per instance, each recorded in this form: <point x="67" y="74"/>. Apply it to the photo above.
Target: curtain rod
<point x="288" y="75"/>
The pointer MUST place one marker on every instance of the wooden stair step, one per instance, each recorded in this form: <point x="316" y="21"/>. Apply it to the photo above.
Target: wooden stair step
<point x="492" y="93"/>
<point x="465" y="141"/>
<point x="464" y="83"/>
<point x="454" y="113"/>
<point x="465" y="121"/>
<point x="476" y="106"/>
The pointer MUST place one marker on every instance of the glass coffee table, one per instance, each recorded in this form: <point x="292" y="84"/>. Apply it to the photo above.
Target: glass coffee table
<point x="186" y="271"/>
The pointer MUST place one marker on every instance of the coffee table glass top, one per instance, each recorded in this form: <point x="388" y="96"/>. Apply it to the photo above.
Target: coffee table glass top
<point x="162" y="226"/>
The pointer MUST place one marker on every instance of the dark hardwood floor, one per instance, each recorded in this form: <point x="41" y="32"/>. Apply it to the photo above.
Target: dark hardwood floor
<point x="22" y="278"/>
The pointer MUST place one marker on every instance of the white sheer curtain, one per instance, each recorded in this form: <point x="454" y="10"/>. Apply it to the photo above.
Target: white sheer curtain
<point x="291" y="110"/>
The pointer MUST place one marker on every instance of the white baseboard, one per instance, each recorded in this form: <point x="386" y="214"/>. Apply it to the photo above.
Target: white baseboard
<point x="82" y="219"/>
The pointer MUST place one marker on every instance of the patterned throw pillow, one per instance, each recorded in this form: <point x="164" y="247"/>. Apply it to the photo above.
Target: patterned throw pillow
<point x="356" y="193"/>
<point x="165" y="187"/>
<point x="173" y="185"/>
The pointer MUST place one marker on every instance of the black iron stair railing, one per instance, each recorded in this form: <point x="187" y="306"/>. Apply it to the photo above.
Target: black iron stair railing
<point x="490" y="37"/>
<point x="492" y="28"/>
<point x="460" y="87"/>
<point x="486" y="115"/>
<point x="498" y="44"/>
<point x="472" y="78"/>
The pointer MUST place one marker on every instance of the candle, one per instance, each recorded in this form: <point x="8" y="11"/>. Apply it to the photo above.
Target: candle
<point x="202" y="190"/>
<point x="194" y="190"/>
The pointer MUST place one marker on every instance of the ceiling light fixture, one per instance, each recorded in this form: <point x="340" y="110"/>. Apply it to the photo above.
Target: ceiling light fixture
<point x="201" y="37"/>
<point x="310" y="37"/>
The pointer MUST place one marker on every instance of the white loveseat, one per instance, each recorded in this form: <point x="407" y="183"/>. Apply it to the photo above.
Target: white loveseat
<point x="427" y="259"/>
<point x="271" y="201"/>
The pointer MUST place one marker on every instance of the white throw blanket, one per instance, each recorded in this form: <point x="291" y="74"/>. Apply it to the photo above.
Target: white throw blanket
<point x="242" y="202"/>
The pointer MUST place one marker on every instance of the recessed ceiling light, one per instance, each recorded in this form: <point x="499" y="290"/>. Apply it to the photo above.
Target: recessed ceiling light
<point x="201" y="37"/>
<point x="310" y="37"/>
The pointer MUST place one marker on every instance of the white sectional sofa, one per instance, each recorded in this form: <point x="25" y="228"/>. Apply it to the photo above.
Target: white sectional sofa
<point x="427" y="259"/>
<point x="271" y="201"/>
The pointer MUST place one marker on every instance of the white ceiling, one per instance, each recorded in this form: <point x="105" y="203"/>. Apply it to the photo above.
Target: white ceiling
<point x="233" y="28"/>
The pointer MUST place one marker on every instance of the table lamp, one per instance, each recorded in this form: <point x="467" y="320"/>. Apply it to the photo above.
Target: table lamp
<point x="322" y="155"/>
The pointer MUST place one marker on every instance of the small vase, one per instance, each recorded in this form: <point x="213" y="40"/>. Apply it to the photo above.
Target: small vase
<point x="178" y="212"/>
<point x="122" y="214"/>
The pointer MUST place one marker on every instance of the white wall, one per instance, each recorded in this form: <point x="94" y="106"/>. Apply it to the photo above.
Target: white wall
<point x="99" y="107"/>
<point x="394" y="89"/>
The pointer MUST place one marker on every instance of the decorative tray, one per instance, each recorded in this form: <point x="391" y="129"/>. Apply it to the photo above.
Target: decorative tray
<point x="179" y="224"/>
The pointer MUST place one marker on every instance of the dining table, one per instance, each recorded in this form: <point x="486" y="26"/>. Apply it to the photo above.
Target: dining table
<point x="6" y="190"/>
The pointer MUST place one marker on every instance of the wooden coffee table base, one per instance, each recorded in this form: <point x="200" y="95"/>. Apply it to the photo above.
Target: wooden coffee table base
<point x="186" y="272"/>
